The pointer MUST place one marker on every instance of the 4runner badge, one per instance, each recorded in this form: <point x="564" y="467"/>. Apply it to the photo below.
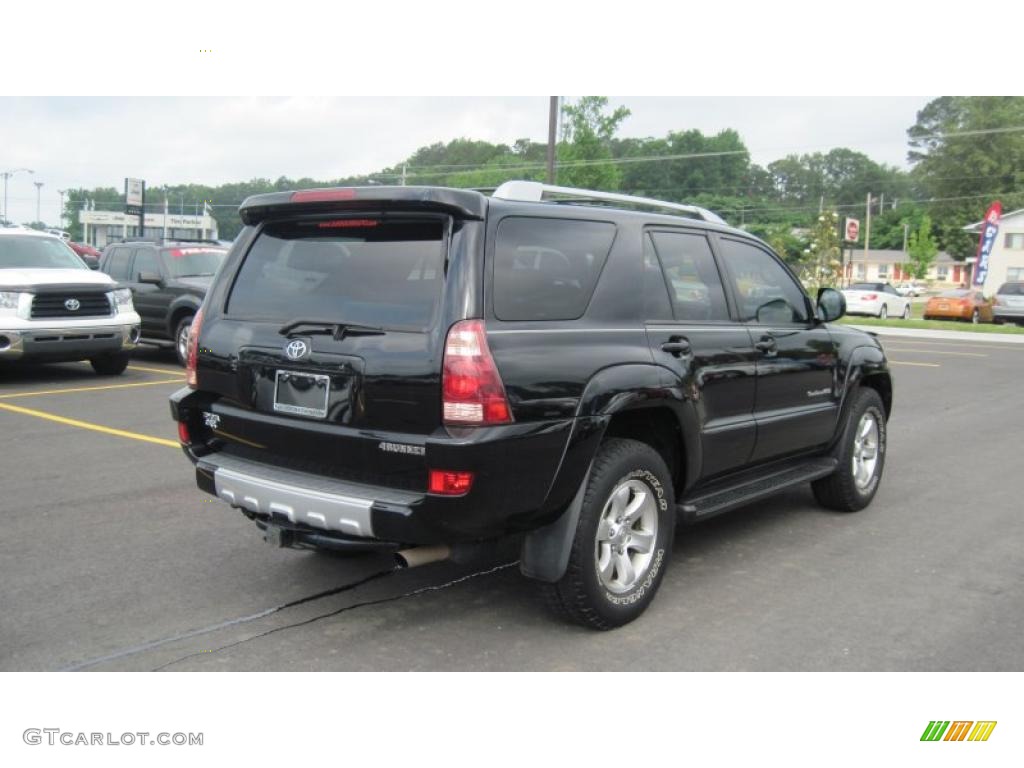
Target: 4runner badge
<point x="415" y="450"/>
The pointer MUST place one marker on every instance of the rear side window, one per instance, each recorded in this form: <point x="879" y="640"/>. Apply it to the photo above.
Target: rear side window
<point x="546" y="269"/>
<point x="146" y="260"/>
<point x="693" y="279"/>
<point x="385" y="273"/>
<point x="117" y="263"/>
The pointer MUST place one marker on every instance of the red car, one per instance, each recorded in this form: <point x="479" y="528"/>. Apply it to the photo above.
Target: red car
<point x="89" y="254"/>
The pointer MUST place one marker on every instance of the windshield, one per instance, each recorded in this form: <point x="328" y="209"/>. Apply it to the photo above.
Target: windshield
<point x="194" y="261"/>
<point x="31" y="252"/>
<point x="386" y="273"/>
<point x="955" y="294"/>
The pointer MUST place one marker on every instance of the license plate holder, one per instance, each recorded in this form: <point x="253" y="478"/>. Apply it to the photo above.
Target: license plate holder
<point x="302" y="394"/>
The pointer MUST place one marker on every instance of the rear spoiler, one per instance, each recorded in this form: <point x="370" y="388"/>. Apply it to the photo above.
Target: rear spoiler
<point x="463" y="203"/>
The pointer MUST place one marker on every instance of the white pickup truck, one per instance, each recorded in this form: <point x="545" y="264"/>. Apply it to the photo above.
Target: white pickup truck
<point x="53" y="308"/>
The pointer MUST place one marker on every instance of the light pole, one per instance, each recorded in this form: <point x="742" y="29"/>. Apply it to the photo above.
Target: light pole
<point x="62" y="192"/>
<point x="39" y="190"/>
<point x="7" y="175"/>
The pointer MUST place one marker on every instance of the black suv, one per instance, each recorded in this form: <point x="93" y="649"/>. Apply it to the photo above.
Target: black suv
<point x="168" y="281"/>
<point x="419" y="370"/>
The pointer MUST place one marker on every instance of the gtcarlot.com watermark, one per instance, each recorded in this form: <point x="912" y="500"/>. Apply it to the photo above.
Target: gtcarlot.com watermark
<point x="55" y="736"/>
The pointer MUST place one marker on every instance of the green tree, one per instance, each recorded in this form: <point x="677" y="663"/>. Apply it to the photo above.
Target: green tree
<point x="822" y="256"/>
<point x="587" y="132"/>
<point x="921" y="249"/>
<point x="968" y="151"/>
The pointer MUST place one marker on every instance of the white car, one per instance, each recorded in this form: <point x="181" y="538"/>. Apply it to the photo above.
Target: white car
<point x="53" y="308"/>
<point x="911" y="289"/>
<point x="876" y="299"/>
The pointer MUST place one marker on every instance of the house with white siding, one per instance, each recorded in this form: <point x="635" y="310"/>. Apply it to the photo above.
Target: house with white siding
<point x="1006" y="262"/>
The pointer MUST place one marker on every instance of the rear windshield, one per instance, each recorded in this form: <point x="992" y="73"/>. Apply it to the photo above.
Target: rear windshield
<point x="358" y="271"/>
<point x="956" y="293"/>
<point x="867" y="286"/>
<point x="194" y="261"/>
<point x="1012" y="289"/>
<point x="546" y="269"/>
<point x="32" y="252"/>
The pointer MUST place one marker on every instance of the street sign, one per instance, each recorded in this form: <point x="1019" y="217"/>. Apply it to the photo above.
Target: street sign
<point x="852" y="230"/>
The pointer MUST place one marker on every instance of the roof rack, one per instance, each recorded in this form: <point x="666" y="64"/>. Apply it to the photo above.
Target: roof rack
<point x="534" y="191"/>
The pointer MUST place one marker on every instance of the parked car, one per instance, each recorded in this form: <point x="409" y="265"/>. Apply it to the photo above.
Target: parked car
<point x="1008" y="305"/>
<point x="53" y="308"/>
<point x="959" y="304"/>
<point x="911" y="289"/>
<point x="168" y="281"/>
<point x="426" y="370"/>
<point x="877" y="299"/>
<point x="90" y="255"/>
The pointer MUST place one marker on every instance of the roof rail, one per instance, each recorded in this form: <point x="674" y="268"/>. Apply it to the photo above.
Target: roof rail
<point x="534" y="191"/>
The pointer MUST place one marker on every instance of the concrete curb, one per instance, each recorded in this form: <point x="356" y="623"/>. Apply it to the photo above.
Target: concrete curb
<point x="921" y="333"/>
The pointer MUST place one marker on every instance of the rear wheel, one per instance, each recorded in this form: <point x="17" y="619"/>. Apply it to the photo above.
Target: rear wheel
<point x="975" y="317"/>
<point x="109" y="365"/>
<point x="181" y="339"/>
<point x="883" y="313"/>
<point x="623" y="539"/>
<point x="861" y="455"/>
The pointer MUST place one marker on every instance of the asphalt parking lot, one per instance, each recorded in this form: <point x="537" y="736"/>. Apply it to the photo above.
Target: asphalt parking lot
<point x="112" y="559"/>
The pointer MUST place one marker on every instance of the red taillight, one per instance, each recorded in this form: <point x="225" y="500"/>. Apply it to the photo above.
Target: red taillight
<point x="870" y="296"/>
<point x="183" y="435"/>
<point x="347" y="223"/>
<point x="192" y="349"/>
<point x="323" y="195"/>
<point x="449" y="483"/>
<point x="472" y="391"/>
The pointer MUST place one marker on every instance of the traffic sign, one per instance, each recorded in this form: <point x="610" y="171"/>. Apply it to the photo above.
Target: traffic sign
<point x="852" y="230"/>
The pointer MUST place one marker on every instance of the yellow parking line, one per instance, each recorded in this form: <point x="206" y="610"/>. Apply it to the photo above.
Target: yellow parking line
<point x="88" y="425"/>
<point x="69" y="390"/>
<point x="923" y="365"/>
<point x="180" y="371"/>
<point x="934" y="352"/>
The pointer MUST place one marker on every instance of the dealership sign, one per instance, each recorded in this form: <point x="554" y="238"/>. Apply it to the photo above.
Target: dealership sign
<point x="134" y="196"/>
<point x="989" y="230"/>
<point x="852" y="230"/>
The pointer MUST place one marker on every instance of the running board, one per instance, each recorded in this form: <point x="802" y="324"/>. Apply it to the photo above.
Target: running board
<point x="716" y="500"/>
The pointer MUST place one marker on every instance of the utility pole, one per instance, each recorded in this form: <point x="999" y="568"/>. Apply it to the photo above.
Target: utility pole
<point x="403" y="174"/>
<point x="552" y="128"/>
<point x="39" y="190"/>
<point x="61" y="193"/>
<point x="867" y="233"/>
<point x="906" y="233"/>
<point x="6" y="175"/>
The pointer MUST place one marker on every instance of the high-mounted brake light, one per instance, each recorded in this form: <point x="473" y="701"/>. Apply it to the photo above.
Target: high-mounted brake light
<point x="347" y="223"/>
<point x="472" y="391"/>
<point x="192" y="350"/>
<point x="323" y="195"/>
<point x="449" y="483"/>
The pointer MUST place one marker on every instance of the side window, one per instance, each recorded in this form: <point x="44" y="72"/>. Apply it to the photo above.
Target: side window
<point x="656" y="301"/>
<point x="146" y="260"/>
<point x="546" y="269"/>
<point x="693" y="281"/>
<point x="117" y="263"/>
<point x="764" y="289"/>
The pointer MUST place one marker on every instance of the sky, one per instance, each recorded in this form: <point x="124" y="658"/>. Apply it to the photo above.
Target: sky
<point x="98" y="141"/>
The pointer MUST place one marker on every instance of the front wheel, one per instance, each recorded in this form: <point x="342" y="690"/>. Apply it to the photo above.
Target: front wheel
<point x="883" y="313"/>
<point x="975" y="317"/>
<point x="181" y="339"/>
<point x="861" y="455"/>
<point x="109" y="365"/>
<point x="906" y="312"/>
<point x="623" y="538"/>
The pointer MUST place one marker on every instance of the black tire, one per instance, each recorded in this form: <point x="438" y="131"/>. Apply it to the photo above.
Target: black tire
<point x="581" y="595"/>
<point x="975" y="317"/>
<point x="906" y="311"/>
<point x="883" y="313"/>
<point x="181" y="332"/>
<point x="109" y="365"/>
<point x="841" y="490"/>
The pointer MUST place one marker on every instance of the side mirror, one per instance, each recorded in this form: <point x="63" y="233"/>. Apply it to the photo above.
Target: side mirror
<point x="831" y="305"/>
<point x="150" y="277"/>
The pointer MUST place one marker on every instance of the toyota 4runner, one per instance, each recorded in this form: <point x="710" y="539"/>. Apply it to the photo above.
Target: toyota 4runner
<point x="419" y="370"/>
<point x="53" y="308"/>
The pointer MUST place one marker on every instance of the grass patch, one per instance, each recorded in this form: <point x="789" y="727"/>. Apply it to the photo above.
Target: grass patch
<point x="934" y="325"/>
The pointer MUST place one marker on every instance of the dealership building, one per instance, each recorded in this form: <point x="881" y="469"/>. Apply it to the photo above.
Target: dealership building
<point x="1006" y="261"/>
<point x="102" y="227"/>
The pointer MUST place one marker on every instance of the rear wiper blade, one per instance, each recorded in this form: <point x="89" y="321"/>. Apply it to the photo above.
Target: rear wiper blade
<point x="329" y="327"/>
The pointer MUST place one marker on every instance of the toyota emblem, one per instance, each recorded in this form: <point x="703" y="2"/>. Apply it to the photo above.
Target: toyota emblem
<point x="296" y="350"/>
<point x="72" y="305"/>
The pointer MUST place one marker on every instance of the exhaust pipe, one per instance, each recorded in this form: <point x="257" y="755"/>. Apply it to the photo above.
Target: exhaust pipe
<point x="416" y="556"/>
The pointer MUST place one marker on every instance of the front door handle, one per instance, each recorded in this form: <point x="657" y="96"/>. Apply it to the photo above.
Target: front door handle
<point x="677" y="346"/>
<point x="767" y="345"/>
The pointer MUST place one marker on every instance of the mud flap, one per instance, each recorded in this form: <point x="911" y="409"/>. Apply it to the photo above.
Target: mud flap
<point x="545" y="552"/>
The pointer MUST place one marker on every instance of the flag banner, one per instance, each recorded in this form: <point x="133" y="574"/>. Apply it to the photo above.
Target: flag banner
<point x="989" y="230"/>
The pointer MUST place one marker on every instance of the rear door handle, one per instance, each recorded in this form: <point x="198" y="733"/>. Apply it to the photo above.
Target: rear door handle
<point x="767" y="345"/>
<point x="677" y="346"/>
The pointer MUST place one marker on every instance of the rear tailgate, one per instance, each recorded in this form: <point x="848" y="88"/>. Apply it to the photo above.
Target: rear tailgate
<point x="324" y="342"/>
